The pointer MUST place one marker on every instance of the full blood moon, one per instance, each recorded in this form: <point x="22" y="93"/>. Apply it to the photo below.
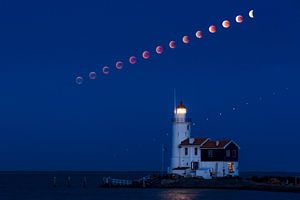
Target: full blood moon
<point x="105" y="70"/>
<point x="159" y="49"/>
<point x="226" y="24"/>
<point x="239" y="19"/>
<point x="185" y="39"/>
<point x="198" y="34"/>
<point x="146" y="54"/>
<point x="172" y="44"/>
<point x="212" y="29"/>
<point x="132" y="60"/>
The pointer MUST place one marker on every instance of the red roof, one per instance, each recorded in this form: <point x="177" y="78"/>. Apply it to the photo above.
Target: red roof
<point x="181" y="105"/>
<point x="218" y="144"/>
<point x="197" y="141"/>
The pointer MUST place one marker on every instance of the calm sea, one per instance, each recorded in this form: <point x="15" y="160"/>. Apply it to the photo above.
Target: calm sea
<point x="38" y="186"/>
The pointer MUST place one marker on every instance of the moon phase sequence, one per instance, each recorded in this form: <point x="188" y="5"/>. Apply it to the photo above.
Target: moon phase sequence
<point x="159" y="48"/>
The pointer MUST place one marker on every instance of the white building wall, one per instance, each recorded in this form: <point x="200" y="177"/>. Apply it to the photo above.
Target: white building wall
<point x="186" y="160"/>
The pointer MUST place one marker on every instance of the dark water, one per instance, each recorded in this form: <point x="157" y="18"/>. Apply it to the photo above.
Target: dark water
<point x="38" y="186"/>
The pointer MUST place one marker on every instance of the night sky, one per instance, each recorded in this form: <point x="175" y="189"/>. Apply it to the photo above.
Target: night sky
<point x="240" y="83"/>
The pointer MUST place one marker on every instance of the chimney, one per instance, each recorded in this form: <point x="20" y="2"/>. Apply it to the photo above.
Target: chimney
<point x="217" y="143"/>
<point x="191" y="140"/>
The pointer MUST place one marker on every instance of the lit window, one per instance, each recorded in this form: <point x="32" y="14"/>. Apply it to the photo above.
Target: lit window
<point x="196" y="151"/>
<point x="186" y="151"/>
<point x="230" y="166"/>
<point x="227" y="153"/>
<point x="210" y="153"/>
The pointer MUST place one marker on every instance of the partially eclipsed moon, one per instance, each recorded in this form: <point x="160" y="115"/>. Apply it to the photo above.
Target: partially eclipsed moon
<point x="172" y="44"/>
<point x="159" y="49"/>
<point x="198" y="34"/>
<point x="119" y="65"/>
<point x="251" y="14"/>
<point x="132" y="60"/>
<point x="226" y="24"/>
<point x="212" y="29"/>
<point x="239" y="19"/>
<point x="79" y="80"/>
<point x="105" y="70"/>
<point x="185" y="39"/>
<point x="146" y="54"/>
<point x="92" y="75"/>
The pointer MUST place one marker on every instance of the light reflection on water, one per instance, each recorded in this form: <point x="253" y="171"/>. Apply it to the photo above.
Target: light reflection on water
<point x="180" y="194"/>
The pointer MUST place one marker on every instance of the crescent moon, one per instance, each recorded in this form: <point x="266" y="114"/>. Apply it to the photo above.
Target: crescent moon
<point x="105" y="70"/>
<point x="251" y="13"/>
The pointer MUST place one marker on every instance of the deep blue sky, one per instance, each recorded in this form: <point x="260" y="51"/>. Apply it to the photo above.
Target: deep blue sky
<point x="119" y="122"/>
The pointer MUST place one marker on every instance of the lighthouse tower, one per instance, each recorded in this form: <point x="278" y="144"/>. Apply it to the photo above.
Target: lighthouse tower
<point x="181" y="131"/>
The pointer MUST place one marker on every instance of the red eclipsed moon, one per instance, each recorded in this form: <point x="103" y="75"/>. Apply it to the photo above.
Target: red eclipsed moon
<point x="105" y="70"/>
<point x="146" y="54"/>
<point x="198" y="34"/>
<point x="212" y="29"/>
<point x="172" y="44"/>
<point x="239" y="19"/>
<point x="119" y="65"/>
<point x="226" y="23"/>
<point x="132" y="60"/>
<point x="159" y="49"/>
<point x="185" y="39"/>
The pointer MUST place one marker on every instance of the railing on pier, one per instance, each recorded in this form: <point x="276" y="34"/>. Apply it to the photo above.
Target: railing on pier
<point x="117" y="182"/>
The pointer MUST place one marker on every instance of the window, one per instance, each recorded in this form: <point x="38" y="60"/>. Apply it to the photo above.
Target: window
<point x="188" y="127"/>
<point x="210" y="153"/>
<point x="196" y="151"/>
<point x="233" y="153"/>
<point x="227" y="153"/>
<point x="186" y="151"/>
<point x="230" y="166"/>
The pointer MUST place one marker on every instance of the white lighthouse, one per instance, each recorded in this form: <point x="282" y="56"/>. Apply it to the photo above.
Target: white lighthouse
<point x="181" y="131"/>
<point x="200" y="156"/>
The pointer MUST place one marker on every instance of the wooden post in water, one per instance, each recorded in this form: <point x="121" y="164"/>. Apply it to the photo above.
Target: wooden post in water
<point x="84" y="182"/>
<point x="54" y="181"/>
<point x="69" y="181"/>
